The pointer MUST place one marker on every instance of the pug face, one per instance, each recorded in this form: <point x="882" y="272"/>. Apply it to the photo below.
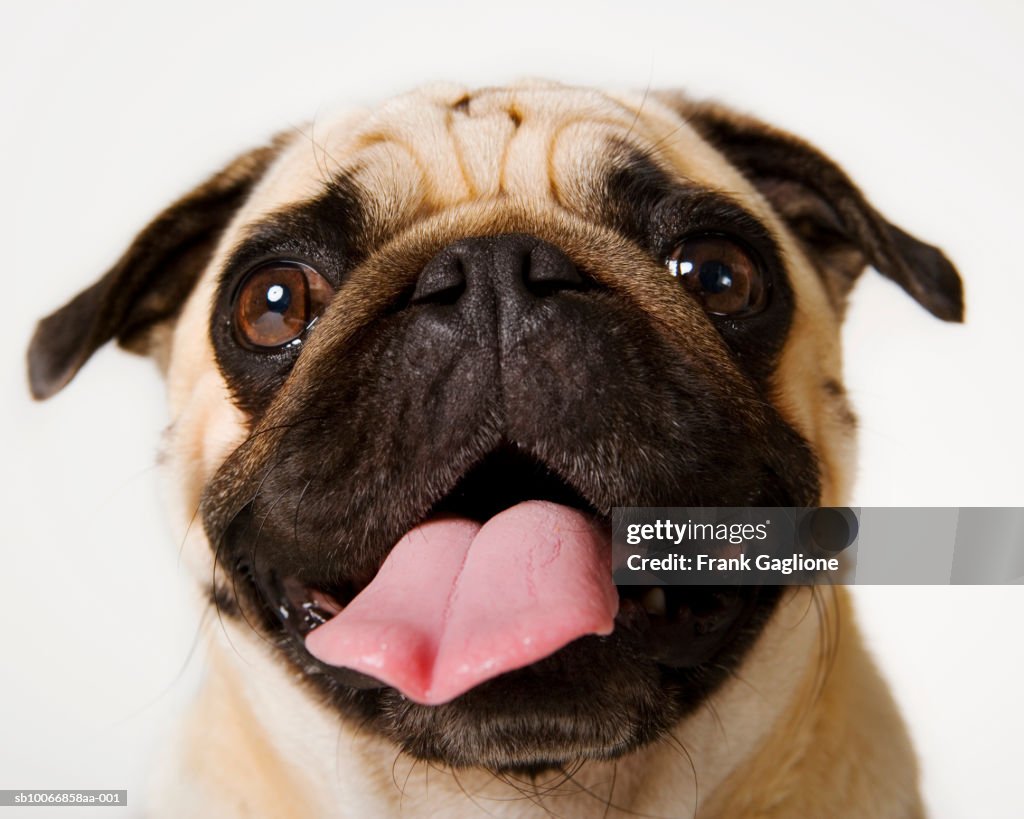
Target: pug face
<point x="416" y="356"/>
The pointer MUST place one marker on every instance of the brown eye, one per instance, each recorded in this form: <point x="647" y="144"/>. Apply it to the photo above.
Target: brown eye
<point x="276" y="303"/>
<point x="719" y="271"/>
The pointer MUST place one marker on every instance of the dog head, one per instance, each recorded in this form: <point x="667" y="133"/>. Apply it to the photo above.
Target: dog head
<point x="511" y="309"/>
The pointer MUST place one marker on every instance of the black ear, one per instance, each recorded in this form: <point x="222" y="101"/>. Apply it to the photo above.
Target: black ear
<point x="837" y="226"/>
<point x="149" y="283"/>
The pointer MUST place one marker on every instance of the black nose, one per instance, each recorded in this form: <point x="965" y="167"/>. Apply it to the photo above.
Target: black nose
<point x="505" y="272"/>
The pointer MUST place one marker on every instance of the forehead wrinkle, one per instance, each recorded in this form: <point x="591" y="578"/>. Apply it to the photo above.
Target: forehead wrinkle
<point x="578" y="164"/>
<point x="372" y="147"/>
<point x="472" y="189"/>
<point x="422" y="125"/>
<point x="394" y="184"/>
<point x="525" y="163"/>
<point x="532" y="165"/>
<point x="483" y="138"/>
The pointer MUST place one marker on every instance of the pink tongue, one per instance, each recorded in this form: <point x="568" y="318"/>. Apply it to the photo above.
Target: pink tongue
<point x="457" y="603"/>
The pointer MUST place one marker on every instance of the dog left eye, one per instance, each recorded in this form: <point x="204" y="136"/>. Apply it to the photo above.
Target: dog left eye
<point x="721" y="273"/>
<point x="277" y="302"/>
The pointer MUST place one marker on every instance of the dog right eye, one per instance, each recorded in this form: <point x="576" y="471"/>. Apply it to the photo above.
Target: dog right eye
<point x="277" y="302"/>
<point x="721" y="273"/>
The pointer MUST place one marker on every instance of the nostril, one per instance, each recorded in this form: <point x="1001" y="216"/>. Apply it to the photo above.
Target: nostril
<point x="549" y="270"/>
<point x="443" y="281"/>
<point x="504" y="268"/>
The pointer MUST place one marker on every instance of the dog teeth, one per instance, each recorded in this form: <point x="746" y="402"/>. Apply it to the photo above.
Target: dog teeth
<point x="325" y="603"/>
<point x="654" y="601"/>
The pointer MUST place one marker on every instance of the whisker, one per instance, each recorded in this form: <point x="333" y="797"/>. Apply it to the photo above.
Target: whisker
<point x="455" y="776"/>
<point x="177" y="676"/>
<point x="675" y="742"/>
<point x="610" y="805"/>
<point x="643" y="102"/>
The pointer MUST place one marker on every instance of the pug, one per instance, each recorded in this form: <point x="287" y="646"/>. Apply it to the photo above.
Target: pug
<point x="414" y="358"/>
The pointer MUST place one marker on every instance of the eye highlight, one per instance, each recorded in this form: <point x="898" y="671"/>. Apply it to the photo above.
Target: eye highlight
<point x="276" y="303"/>
<point x="721" y="273"/>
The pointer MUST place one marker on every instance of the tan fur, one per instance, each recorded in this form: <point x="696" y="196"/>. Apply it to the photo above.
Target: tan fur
<point x="229" y="765"/>
<point x="840" y="751"/>
<point x="785" y="737"/>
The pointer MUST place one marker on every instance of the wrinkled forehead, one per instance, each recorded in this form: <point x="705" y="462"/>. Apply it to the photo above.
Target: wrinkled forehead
<point x="445" y="146"/>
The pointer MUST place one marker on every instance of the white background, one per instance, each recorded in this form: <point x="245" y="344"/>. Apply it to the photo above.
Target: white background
<point x="109" y="110"/>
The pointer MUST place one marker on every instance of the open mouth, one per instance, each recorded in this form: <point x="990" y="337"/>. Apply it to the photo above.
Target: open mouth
<point x="510" y="566"/>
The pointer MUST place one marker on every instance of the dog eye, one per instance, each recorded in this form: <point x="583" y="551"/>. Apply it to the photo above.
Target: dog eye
<point x="721" y="273"/>
<point x="277" y="302"/>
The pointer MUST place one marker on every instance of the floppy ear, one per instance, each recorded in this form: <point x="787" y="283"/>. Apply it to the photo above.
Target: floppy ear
<point x="838" y="227"/>
<point x="149" y="283"/>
